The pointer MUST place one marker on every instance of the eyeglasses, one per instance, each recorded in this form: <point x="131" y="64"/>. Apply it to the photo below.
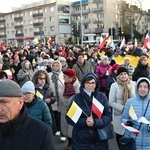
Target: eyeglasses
<point x="26" y="93"/>
<point x="90" y="83"/>
<point x="42" y="78"/>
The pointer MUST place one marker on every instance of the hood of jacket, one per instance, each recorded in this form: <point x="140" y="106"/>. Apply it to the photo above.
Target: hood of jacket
<point x="137" y="84"/>
<point x="90" y="75"/>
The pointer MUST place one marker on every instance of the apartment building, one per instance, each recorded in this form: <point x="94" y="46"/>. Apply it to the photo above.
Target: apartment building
<point x="42" y="20"/>
<point x="54" y="19"/>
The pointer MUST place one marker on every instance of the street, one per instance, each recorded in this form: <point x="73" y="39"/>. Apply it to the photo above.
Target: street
<point x="62" y="145"/>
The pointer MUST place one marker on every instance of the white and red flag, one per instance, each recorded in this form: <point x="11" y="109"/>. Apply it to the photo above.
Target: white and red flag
<point x="97" y="107"/>
<point x="146" y="41"/>
<point x="102" y="44"/>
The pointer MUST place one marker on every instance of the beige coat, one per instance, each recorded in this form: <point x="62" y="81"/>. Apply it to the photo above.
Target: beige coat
<point x="66" y="129"/>
<point x="116" y="102"/>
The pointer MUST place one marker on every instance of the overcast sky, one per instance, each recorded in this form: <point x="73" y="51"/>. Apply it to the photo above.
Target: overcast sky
<point x="6" y="5"/>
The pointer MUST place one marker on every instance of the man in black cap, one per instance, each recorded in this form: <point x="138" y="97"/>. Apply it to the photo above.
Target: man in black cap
<point x="18" y="131"/>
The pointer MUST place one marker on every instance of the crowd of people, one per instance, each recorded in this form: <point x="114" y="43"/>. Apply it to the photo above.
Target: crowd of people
<point x="39" y="85"/>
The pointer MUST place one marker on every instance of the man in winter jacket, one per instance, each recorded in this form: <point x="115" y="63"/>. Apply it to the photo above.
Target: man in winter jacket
<point x="19" y="131"/>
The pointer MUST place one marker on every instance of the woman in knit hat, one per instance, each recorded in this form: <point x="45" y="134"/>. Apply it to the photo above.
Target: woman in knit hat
<point x="71" y="87"/>
<point x="119" y="93"/>
<point x="36" y="107"/>
<point x="112" y="77"/>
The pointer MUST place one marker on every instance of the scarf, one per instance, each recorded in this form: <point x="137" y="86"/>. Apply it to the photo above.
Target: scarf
<point x="126" y="93"/>
<point x="54" y="79"/>
<point x="69" y="89"/>
<point x="28" y="105"/>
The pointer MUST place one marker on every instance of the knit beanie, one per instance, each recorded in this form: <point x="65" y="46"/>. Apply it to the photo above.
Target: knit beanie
<point x="28" y="87"/>
<point x="9" y="88"/>
<point x="114" y="67"/>
<point x="122" y="69"/>
<point x="70" y="73"/>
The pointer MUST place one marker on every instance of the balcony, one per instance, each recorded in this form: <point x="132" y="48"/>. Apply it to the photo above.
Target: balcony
<point x="86" y="31"/>
<point x="97" y="30"/>
<point x="95" y="10"/>
<point x="3" y="36"/>
<point x="18" y="18"/>
<point x="39" y="33"/>
<point x="97" y="20"/>
<point x="2" y="28"/>
<point x="18" y="26"/>
<point x="19" y="35"/>
<point x="37" y="15"/>
<point x="38" y="24"/>
<point x="84" y="11"/>
<point x="2" y="21"/>
<point x="85" y="21"/>
<point x="97" y="1"/>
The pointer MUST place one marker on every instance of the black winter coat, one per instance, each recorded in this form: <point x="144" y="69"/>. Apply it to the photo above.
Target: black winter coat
<point x="140" y="71"/>
<point x="26" y="133"/>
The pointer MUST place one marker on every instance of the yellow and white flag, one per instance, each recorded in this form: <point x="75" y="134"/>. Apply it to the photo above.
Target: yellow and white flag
<point x="74" y="112"/>
<point x="132" y="113"/>
<point x="38" y="94"/>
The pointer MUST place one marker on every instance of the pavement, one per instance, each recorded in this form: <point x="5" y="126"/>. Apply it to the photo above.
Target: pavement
<point x="62" y="145"/>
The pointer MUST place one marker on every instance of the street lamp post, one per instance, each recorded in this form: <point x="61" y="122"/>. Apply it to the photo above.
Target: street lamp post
<point x="81" y="22"/>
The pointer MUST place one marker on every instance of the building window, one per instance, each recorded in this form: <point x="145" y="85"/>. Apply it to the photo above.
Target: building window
<point x="13" y="32"/>
<point x="45" y="19"/>
<point x="7" y="32"/>
<point x="45" y="10"/>
<point x="52" y="28"/>
<point x="51" y="9"/>
<point x="25" y="30"/>
<point x="12" y="16"/>
<point x="7" y="24"/>
<point x="51" y="18"/>
<point x="12" y="24"/>
<point x="30" y="30"/>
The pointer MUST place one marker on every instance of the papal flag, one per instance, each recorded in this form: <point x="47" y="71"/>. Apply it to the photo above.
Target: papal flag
<point x="132" y="113"/>
<point x="74" y="112"/>
<point x="38" y="94"/>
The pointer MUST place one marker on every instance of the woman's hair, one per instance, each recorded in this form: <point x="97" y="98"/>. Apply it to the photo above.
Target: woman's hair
<point x="142" y="58"/>
<point x="3" y="75"/>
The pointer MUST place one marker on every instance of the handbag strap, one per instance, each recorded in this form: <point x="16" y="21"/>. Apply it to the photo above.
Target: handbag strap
<point x="144" y="114"/>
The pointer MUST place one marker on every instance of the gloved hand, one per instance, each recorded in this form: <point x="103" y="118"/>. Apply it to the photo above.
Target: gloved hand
<point x="129" y="123"/>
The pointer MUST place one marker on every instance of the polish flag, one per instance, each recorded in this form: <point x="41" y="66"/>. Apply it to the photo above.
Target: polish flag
<point x="49" y="41"/>
<point x="123" y="42"/>
<point x="146" y="41"/>
<point x="97" y="107"/>
<point x="103" y="42"/>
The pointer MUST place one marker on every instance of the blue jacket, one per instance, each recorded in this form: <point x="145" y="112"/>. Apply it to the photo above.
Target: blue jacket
<point x="40" y="110"/>
<point x="139" y="104"/>
<point x="84" y="136"/>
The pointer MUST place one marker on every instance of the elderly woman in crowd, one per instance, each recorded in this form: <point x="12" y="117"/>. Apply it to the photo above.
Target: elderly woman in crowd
<point x="42" y="85"/>
<point x="120" y="92"/>
<point x="102" y="71"/>
<point x="36" y="107"/>
<point x="142" y="69"/>
<point x="25" y="73"/>
<point x="71" y="87"/>
<point x="141" y="106"/>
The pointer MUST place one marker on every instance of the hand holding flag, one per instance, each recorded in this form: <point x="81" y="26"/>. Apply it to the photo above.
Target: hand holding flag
<point x="131" y="129"/>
